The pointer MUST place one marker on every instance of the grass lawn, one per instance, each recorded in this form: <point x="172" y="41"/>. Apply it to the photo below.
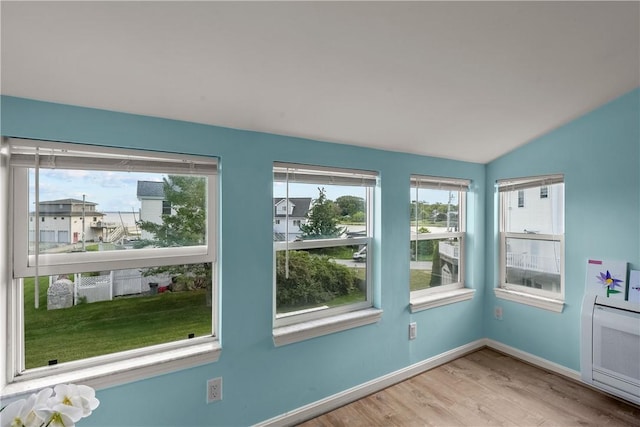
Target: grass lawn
<point x="419" y="279"/>
<point x="87" y="330"/>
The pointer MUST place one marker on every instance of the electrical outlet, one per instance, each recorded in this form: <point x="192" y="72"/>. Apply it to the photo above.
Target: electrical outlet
<point x="497" y="312"/>
<point x="214" y="389"/>
<point x="413" y="330"/>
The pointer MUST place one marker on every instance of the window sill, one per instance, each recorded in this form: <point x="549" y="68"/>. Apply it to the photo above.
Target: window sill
<point x="438" y="299"/>
<point x="100" y="373"/>
<point x="544" y="303"/>
<point x="315" y="328"/>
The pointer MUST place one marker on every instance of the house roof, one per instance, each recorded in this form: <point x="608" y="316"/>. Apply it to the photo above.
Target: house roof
<point x="67" y="202"/>
<point x="53" y="208"/>
<point x="300" y="206"/>
<point x="150" y="190"/>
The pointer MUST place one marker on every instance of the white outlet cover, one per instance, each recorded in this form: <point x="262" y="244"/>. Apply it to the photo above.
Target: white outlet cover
<point x="214" y="389"/>
<point x="413" y="330"/>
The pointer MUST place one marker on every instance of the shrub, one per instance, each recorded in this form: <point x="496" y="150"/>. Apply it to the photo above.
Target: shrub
<point x="313" y="279"/>
<point x="425" y="249"/>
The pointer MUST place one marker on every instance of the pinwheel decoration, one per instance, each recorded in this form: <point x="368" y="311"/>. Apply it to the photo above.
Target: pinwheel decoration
<point x="610" y="282"/>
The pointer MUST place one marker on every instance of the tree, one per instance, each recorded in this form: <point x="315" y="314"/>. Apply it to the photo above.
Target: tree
<point x="185" y="226"/>
<point x="350" y="205"/>
<point x="322" y="219"/>
<point x="436" y="267"/>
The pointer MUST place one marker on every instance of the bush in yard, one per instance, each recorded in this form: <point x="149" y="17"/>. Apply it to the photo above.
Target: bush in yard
<point x="312" y="279"/>
<point x="425" y="249"/>
<point x="358" y="217"/>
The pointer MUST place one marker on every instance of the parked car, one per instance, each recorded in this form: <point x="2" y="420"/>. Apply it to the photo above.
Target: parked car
<point x="361" y="255"/>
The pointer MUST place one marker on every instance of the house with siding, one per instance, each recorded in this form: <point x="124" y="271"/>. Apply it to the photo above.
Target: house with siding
<point x="289" y="215"/>
<point x="66" y="221"/>
<point x="152" y="203"/>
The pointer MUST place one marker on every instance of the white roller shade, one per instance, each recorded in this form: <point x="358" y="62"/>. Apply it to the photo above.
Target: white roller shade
<point x="512" y="184"/>
<point x="295" y="173"/>
<point x="439" y="183"/>
<point x="27" y="153"/>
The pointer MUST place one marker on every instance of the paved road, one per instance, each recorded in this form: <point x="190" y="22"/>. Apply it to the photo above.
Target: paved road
<point x="420" y="265"/>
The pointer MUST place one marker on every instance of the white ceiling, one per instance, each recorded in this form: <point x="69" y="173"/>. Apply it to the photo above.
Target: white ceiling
<point x="468" y="81"/>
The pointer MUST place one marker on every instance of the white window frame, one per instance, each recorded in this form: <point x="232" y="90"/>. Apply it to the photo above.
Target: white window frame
<point x="553" y="301"/>
<point x="293" y="327"/>
<point x="454" y="292"/>
<point x="18" y="155"/>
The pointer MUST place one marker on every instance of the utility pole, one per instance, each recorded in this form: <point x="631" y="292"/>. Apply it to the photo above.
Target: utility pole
<point x="83" y="201"/>
<point x="449" y="211"/>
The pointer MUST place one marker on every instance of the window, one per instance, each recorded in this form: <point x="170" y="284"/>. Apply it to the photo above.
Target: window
<point x="166" y="207"/>
<point x="59" y="283"/>
<point x="531" y="239"/>
<point x="436" y="248"/>
<point x="520" y="198"/>
<point x="328" y="221"/>
<point x="544" y="192"/>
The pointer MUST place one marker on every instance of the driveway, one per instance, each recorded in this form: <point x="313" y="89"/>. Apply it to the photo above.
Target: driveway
<point x="415" y="265"/>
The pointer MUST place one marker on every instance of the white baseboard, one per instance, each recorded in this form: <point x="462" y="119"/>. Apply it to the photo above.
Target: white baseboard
<point x="534" y="360"/>
<point x="358" y="392"/>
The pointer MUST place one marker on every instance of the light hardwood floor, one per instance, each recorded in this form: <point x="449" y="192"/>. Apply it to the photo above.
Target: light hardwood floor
<point x="484" y="388"/>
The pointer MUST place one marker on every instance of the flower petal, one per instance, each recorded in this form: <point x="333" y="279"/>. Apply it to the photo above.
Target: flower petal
<point x="12" y="412"/>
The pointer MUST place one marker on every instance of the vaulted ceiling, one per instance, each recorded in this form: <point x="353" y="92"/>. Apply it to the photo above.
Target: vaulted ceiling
<point x="460" y="80"/>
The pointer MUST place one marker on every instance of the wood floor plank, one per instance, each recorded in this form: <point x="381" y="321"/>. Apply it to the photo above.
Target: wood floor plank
<point x="484" y="388"/>
<point x="559" y="393"/>
<point x="516" y="393"/>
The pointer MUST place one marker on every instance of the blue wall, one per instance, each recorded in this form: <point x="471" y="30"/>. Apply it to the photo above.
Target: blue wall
<point x="599" y="154"/>
<point x="261" y="381"/>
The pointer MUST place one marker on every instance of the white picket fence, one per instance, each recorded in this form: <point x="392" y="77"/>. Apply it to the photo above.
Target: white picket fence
<point x="92" y="288"/>
<point x="117" y="283"/>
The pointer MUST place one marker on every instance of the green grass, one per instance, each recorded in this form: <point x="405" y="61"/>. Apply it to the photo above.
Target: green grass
<point x="355" y="296"/>
<point x="87" y="330"/>
<point x="105" y="327"/>
<point x="419" y="279"/>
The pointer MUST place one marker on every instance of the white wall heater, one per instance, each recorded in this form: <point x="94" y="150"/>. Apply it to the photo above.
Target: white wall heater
<point x="610" y="346"/>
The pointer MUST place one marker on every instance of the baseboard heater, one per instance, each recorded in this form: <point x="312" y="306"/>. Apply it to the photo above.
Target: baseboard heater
<point x="610" y="346"/>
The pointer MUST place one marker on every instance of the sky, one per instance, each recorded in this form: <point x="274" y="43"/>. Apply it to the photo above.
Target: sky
<point x="112" y="191"/>
<point x="116" y="191"/>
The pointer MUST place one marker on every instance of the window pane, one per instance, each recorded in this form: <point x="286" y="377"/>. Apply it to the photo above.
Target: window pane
<point x="315" y="212"/>
<point x="96" y="313"/>
<point x="109" y="210"/>
<point x="318" y="279"/>
<point x="434" y="211"/>
<point x="434" y="263"/>
<point x="538" y="215"/>
<point x="533" y="263"/>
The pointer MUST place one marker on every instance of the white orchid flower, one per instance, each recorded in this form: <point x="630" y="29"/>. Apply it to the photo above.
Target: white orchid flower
<point x="89" y="401"/>
<point x="22" y="413"/>
<point x="12" y="414"/>
<point x="81" y="397"/>
<point x="60" y="415"/>
<point x="62" y="406"/>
